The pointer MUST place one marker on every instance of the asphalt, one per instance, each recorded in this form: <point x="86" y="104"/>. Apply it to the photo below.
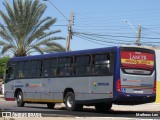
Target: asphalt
<point x="152" y="107"/>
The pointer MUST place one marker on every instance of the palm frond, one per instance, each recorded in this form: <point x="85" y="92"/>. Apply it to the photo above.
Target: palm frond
<point x="6" y="48"/>
<point x="26" y="30"/>
<point x="45" y="41"/>
<point x="49" y="34"/>
<point x="37" y="49"/>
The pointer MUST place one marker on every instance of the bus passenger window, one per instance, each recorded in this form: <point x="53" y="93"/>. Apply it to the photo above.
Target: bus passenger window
<point x="101" y="64"/>
<point x="26" y="69"/>
<point x="65" y="66"/>
<point x="23" y="69"/>
<point x="53" y="67"/>
<point x="46" y="68"/>
<point x="53" y="71"/>
<point x="20" y="74"/>
<point x="82" y="65"/>
<point x="20" y="69"/>
<point x="35" y="68"/>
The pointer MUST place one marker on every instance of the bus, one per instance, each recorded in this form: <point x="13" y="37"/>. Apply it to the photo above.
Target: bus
<point x="123" y="75"/>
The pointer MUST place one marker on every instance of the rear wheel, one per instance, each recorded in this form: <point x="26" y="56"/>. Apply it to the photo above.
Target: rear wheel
<point x="70" y="102"/>
<point x="50" y="105"/>
<point x="19" y="98"/>
<point x="103" y="107"/>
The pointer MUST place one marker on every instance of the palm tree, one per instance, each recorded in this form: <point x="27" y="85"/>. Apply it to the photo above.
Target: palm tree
<point x="25" y="31"/>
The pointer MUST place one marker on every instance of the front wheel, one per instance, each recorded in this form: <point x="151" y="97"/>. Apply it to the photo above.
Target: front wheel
<point x="70" y="103"/>
<point x="19" y="98"/>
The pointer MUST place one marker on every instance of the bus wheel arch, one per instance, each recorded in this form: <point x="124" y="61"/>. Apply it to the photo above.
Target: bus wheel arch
<point x="66" y="91"/>
<point x="19" y="97"/>
<point x="69" y="100"/>
<point x="16" y="92"/>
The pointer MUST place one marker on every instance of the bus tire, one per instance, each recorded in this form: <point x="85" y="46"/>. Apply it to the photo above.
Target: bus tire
<point x="19" y="98"/>
<point x="70" y="102"/>
<point x="50" y="105"/>
<point x="103" y="107"/>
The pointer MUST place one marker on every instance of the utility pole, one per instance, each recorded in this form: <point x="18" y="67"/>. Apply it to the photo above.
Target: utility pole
<point x="69" y="31"/>
<point x="138" y="42"/>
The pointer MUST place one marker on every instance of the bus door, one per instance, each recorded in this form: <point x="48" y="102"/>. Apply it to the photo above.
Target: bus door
<point x="137" y="72"/>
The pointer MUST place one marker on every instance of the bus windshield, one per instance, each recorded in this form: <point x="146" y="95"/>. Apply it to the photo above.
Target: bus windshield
<point x="137" y="62"/>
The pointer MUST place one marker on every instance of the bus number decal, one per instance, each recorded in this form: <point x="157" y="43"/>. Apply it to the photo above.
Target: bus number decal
<point x="103" y="84"/>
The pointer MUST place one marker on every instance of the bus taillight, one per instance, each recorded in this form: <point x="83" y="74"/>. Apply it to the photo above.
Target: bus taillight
<point x="154" y="88"/>
<point x="118" y="85"/>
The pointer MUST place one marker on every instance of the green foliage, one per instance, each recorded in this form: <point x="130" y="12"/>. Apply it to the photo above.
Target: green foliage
<point x="3" y="64"/>
<point x="25" y="31"/>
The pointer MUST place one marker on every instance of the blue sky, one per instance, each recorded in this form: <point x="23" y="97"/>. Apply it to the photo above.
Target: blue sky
<point x="101" y="22"/>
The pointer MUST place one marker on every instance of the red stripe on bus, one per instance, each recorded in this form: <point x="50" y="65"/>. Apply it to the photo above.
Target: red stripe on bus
<point x="9" y="99"/>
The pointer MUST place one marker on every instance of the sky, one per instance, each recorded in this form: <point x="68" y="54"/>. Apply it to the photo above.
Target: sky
<point x="100" y="23"/>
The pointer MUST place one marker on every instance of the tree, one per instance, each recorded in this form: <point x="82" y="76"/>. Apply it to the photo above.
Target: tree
<point x="25" y="31"/>
<point x="3" y="64"/>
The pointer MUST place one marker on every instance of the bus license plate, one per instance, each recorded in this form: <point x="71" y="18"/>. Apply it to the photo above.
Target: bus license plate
<point x="138" y="91"/>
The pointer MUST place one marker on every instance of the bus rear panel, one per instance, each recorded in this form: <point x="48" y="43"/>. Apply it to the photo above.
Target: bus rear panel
<point x="137" y="82"/>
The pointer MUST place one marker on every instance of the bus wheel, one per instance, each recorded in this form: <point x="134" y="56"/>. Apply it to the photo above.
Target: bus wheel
<point x="19" y="98"/>
<point x="70" y="103"/>
<point x="50" y="105"/>
<point x="103" y="107"/>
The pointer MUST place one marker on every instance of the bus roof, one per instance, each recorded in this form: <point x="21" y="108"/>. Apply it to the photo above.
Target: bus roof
<point x="72" y="53"/>
<point x="65" y="54"/>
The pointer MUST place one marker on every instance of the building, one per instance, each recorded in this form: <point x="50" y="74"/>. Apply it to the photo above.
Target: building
<point x="157" y="51"/>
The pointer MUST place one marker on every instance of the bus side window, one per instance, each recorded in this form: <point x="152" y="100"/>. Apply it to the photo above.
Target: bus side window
<point x="35" y="68"/>
<point x="101" y="64"/>
<point x="82" y="65"/>
<point x="65" y="66"/>
<point x="20" y="75"/>
<point x="26" y="69"/>
<point x="20" y="69"/>
<point x="23" y="69"/>
<point x="46" y="68"/>
<point x="54" y="67"/>
<point x="11" y="71"/>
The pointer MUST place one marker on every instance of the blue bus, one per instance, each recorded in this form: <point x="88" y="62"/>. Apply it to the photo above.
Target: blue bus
<point x="123" y="75"/>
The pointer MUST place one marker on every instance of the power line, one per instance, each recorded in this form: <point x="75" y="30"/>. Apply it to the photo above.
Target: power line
<point x="112" y="40"/>
<point x="93" y="34"/>
<point x="90" y="40"/>
<point x="97" y="41"/>
<point x="57" y="10"/>
<point x="104" y="41"/>
<point x="102" y="37"/>
<point x="150" y="30"/>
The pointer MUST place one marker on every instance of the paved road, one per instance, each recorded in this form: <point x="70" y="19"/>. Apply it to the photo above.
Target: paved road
<point x="59" y="111"/>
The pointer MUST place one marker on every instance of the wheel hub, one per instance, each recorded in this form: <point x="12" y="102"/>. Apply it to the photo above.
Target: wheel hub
<point x="70" y="102"/>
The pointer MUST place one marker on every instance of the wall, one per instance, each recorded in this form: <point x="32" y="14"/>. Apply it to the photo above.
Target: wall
<point x="158" y="75"/>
